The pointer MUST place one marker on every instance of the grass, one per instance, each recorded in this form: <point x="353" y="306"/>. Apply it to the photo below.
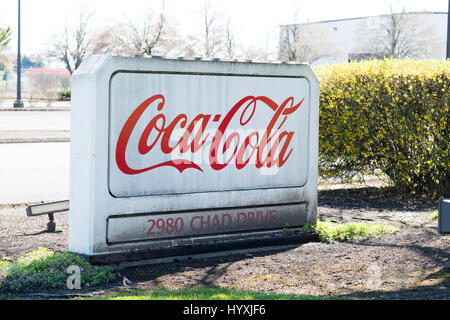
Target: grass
<point x="348" y="232"/>
<point x="435" y="215"/>
<point x="203" y="294"/>
<point x="45" y="270"/>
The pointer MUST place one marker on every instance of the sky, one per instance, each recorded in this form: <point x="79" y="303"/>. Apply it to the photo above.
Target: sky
<point x="255" y="21"/>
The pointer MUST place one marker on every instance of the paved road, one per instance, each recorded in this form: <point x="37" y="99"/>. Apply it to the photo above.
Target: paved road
<point x="34" y="172"/>
<point x="34" y="120"/>
<point x="9" y="103"/>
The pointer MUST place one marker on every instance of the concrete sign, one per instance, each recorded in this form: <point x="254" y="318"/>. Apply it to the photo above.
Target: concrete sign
<point x="168" y="153"/>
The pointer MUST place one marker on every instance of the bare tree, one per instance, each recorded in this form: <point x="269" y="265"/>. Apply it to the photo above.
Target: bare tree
<point x="230" y="41"/>
<point x="210" y="42"/>
<point x="303" y="42"/>
<point x="70" y="47"/>
<point x="398" y="35"/>
<point x="81" y="39"/>
<point x="213" y="33"/>
<point x="145" y="37"/>
<point x="150" y="35"/>
<point x="5" y="38"/>
<point x="105" y="40"/>
<point x="259" y="53"/>
<point x="397" y="43"/>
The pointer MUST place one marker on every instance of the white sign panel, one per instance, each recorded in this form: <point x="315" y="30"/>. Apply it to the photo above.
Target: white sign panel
<point x="250" y="113"/>
<point x="169" y="151"/>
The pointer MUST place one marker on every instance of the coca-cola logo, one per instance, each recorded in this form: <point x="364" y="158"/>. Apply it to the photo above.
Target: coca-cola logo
<point x="270" y="147"/>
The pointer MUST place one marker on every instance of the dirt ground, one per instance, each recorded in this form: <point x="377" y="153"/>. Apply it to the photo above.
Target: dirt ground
<point x="411" y="264"/>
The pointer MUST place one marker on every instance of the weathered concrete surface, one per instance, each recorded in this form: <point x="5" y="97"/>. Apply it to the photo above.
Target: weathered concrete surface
<point x="116" y="102"/>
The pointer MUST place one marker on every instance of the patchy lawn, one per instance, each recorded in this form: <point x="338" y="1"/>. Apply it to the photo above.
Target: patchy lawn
<point x="202" y="294"/>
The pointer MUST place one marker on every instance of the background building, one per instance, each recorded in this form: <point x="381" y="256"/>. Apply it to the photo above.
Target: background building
<point x="416" y="35"/>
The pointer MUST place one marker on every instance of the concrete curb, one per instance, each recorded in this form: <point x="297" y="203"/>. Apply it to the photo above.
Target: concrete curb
<point x="33" y="140"/>
<point x="185" y="251"/>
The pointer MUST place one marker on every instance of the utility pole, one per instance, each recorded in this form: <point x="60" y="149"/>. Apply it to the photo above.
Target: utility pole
<point x="448" y="31"/>
<point x="19" y="102"/>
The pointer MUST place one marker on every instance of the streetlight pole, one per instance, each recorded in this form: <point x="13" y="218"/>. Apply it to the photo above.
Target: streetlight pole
<point x="19" y="102"/>
<point x="448" y="31"/>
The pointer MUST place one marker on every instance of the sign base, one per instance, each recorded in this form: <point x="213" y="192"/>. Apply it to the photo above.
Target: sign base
<point x="287" y="237"/>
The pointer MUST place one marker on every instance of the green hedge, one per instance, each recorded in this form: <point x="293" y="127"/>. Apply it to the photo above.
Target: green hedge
<point x="64" y="94"/>
<point x="387" y="116"/>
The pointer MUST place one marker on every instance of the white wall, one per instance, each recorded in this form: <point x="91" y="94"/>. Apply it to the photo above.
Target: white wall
<point x="345" y="35"/>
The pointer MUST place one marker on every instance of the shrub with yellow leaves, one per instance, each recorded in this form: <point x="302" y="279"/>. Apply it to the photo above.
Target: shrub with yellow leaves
<point x="390" y="116"/>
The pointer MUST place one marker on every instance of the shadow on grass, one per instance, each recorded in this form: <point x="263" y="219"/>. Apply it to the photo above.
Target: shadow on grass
<point x="438" y="291"/>
<point x="429" y="252"/>
<point x="435" y="285"/>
